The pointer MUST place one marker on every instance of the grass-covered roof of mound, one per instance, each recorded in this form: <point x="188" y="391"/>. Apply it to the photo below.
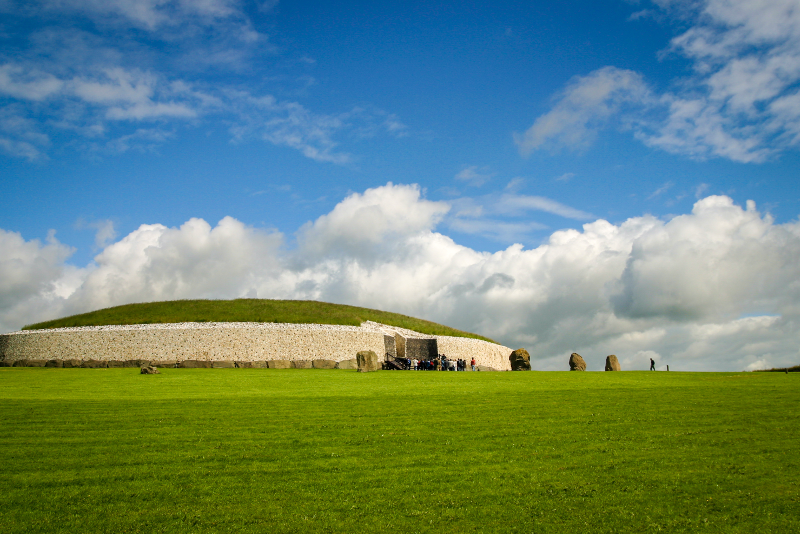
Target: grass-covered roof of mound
<point x="248" y="311"/>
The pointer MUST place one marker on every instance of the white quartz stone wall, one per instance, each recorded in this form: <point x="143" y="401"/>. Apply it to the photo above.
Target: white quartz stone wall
<point x="226" y="341"/>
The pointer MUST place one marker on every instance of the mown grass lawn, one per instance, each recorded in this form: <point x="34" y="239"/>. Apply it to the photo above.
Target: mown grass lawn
<point x="255" y="450"/>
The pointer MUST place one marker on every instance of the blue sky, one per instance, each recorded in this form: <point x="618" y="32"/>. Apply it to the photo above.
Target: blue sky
<point x="414" y="136"/>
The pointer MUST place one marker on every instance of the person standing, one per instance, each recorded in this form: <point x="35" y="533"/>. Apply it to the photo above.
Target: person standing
<point x="652" y="364"/>
<point x="472" y="363"/>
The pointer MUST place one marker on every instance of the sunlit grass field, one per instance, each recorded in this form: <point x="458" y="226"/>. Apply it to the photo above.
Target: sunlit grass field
<point x="257" y="450"/>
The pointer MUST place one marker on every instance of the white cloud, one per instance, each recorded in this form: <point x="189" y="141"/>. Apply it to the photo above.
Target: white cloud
<point x="370" y="222"/>
<point x="474" y="175"/>
<point x="715" y="289"/>
<point x="584" y="107"/>
<point x="148" y="14"/>
<point x="160" y="61"/>
<point x="30" y="276"/>
<point x="740" y="102"/>
<point x="104" y="231"/>
<point x="661" y="190"/>
<point x="17" y="82"/>
<point x="513" y="204"/>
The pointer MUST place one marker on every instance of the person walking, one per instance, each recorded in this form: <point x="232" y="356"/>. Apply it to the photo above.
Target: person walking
<point x="652" y="364"/>
<point x="472" y="363"/>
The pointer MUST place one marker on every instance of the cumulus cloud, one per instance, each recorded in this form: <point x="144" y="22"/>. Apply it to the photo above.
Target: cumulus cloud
<point x="739" y="103"/>
<point x="714" y="289"/>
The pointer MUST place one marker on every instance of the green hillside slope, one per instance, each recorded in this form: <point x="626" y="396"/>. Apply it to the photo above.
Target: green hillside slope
<point x="248" y="311"/>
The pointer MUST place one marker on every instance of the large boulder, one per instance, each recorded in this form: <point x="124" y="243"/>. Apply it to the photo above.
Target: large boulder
<point x="54" y="363"/>
<point x="301" y="364"/>
<point x="576" y="363"/>
<point x="150" y="370"/>
<point x="137" y="363"/>
<point x="223" y="364"/>
<point x="324" y="364"/>
<point x="116" y="363"/>
<point x="347" y="364"/>
<point x="520" y="360"/>
<point x="367" y="361"/>
<point x="279" y="364"/>
<point x="72" y="363"/>
<point x="485" y="368"/>
<point x="244" y="365"/>
<point x="612" y="363"/>
<point x="6" y="363"/>
<point x="94" y="364"/>
<point x="260" y="364"/>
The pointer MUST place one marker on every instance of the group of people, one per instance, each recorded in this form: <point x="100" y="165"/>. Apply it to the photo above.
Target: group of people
<point x="441" y="363"/>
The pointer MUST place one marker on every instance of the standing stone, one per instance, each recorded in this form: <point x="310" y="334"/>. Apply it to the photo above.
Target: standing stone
<point x="520" y="360"/>
<point x="612" y="364"/>
<point x="367" y="361"/>
<point x="576" y="363"/>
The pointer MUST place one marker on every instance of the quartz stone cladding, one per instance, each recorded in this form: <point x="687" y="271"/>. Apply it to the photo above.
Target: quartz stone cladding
<point x="239" y="342"/>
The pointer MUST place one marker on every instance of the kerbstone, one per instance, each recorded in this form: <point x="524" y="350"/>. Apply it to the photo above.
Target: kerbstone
<point x="194" y="364"/>
<point x="367" y="361"/>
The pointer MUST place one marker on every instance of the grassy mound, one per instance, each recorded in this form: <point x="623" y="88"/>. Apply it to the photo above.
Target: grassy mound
<point x="248" y="311"/>
<point x="315" y="451"/>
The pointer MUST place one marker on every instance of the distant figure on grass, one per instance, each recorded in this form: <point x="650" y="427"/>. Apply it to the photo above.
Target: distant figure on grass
<point x="473" y="363"/>
<point x="652" y="364"/>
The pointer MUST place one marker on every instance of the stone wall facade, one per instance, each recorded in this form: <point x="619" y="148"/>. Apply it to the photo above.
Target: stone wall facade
<point x="232" y="342"/>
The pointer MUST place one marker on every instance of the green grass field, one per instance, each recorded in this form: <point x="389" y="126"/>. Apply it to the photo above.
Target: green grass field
<point x="251" y="450"/>
<point x="249" y="311"/>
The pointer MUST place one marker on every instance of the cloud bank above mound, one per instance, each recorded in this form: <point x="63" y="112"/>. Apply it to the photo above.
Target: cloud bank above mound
<point x="714" y="289"/>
